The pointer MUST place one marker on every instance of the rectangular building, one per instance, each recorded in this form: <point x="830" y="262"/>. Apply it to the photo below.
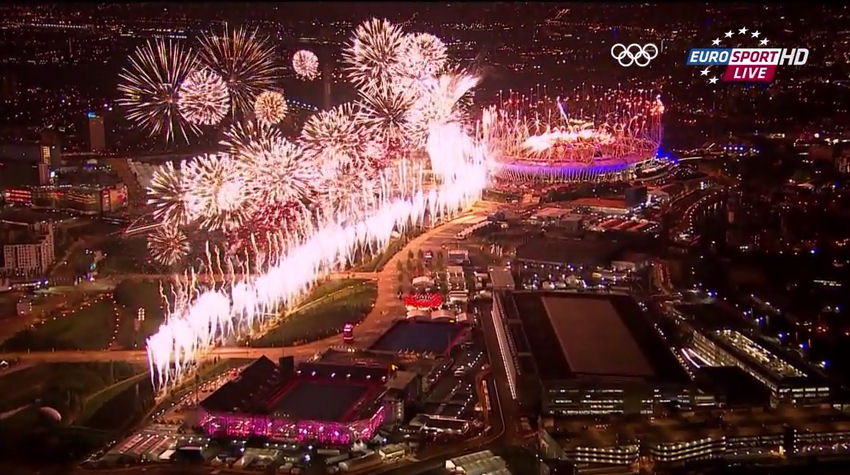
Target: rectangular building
<point x="585" y="354"/>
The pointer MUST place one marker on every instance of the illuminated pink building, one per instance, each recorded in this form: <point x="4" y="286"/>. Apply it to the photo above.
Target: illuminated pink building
<point x="318" y="403"/>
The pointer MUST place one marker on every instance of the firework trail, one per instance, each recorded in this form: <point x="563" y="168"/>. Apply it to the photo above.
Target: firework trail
<point x="203" y="98"/>
<point x="293" y="212"/>
<point x="150" y="85"/>
<point x="305" y="64"/>
<point x="270" y="108"/>
<point x="440" y="101"/>
<point x="215" y="316"/>
<point x="245" y="60"/>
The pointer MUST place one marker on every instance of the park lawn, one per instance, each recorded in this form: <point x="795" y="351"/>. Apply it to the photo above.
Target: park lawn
<point x="322" y="318"/>
<point x="62" y="386"/>
<point x="377" y="261"/>
<point x="30" y="435"/>
<point x="130" y="295"/>
<point x="124" y="255"/>
<point x="88" y="328"/>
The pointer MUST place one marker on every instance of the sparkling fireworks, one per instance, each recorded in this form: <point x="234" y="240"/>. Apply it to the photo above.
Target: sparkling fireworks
<point x="270" y="107"/>
<point x="385" y="110"/>
<point x="422" y="56"/>
<point x="373" y="55"/>
<point x="245" y="60"/>
<point x="150" y="88"/>
<point x="336" y="136"/>
<point x="168" y="245"/>
<point x="168" y="195"/>
<point x="279" y="173"/>
<point x="216" y="195"/>
<point x="203" y="98"/>
<point x="293" y="212"/>
<point x="590" y="129"/>
<point x="306" y="64"/>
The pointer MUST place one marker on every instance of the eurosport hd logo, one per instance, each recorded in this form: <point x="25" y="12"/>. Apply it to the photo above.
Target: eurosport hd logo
<point x="634" y="54"/>
<point x="742" y="64"/>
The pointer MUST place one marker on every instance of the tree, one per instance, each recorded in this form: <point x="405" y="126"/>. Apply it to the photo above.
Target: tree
<point x="410" y="254"/>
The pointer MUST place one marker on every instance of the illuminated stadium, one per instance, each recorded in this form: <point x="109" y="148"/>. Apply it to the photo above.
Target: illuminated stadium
<point x="589" y="135"/>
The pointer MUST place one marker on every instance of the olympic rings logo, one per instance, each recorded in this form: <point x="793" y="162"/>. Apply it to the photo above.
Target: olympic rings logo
<point x="634" y="54"/>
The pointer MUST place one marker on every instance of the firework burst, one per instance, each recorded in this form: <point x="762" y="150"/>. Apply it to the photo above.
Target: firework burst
<point x="422" y="56"/>
<point x="216" y="191"/>
<point x="168" y="245"/>
<point x="244" y="60"/>
<point x="270" y="107"/>
<point x="373" y="54"/>
<point x="440" y="101"/>
<point x="279" y="173"/>
<point x="203" y="98"/>
<point x="306" y="64"/>
<point x="167" y="193"/>
<point x="150" y="87"/>
<point x="337" y="136"/>
<point x="386" y="111"/>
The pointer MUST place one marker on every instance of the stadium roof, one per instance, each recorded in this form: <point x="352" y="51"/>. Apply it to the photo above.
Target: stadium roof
<point x="249" y="391"/>
<point x="320" y="400"/>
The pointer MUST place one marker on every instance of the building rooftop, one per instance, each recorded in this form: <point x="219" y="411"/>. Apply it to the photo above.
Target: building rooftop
<point x="249" y="391"/>
<point x="501" y="278"/>
<point x="587" y="336"/>
<point x="319" y="400"/>
<point x="582" y="325"/>
<point x="420" y="337"/>
<point x="578" y="252"/>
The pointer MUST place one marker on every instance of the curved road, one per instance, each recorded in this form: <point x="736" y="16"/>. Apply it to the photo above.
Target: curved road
<point x="387" y="307"/>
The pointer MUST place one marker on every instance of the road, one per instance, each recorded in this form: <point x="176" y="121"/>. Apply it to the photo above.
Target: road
<point x="387" y="307"/>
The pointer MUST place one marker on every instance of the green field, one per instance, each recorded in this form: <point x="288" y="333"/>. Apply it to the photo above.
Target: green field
<point x="377" y="262"/>
<point x="88" y="328"/>
<point x="130" y="296"/>
<point x="324" y="315"/>
<point x="31" y="436"/>
<point x="63" y="386"/>
<point x="124" y="255"/>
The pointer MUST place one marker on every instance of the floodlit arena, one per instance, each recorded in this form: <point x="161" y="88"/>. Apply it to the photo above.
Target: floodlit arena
<point x="591" y="134"/>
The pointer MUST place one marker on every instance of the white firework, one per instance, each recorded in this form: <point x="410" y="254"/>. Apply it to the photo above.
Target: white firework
<point x="270" y="107"/>
<point x="440" y="101"/>
<point x="306" y="64"/>
<point x="373" y="54"/>
<point x="168" y="245"/>
<point x="386" y="110"/>
<point x="203" y="98"/>
<point x="279" y="173"/>
<point x="216" y="191"/>
<point x="422" y="56"/>
<point x="337" y="136"/>
<point x="167" y="193"/>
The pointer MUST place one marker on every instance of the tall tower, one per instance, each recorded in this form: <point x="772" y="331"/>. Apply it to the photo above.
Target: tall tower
<point x="327" y="78"/>
<point x="97" y="135"/>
